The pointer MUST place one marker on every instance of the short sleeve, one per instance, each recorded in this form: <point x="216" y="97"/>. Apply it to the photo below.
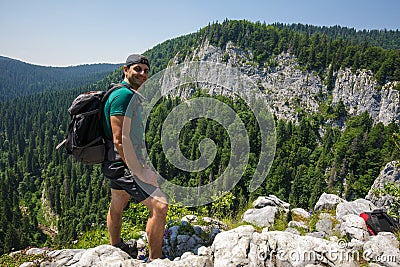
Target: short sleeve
<point x="119" y="102"/>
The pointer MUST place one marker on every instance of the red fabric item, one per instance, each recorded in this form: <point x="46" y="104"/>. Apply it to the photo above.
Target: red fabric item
<point x="365" y="217"/>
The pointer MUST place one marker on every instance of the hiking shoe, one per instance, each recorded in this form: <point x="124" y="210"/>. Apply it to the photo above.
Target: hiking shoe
<point x="129" y="247"/>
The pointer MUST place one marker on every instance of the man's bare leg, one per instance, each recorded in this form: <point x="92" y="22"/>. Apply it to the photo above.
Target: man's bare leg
<point x="158" y="207"/>
<point x="119" y="200"/>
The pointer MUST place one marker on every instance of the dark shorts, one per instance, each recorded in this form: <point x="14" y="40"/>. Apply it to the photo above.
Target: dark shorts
<point x="138" y="190"/>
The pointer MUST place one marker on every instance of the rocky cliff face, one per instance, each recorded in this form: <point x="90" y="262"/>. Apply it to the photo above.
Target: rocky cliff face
<point x="288" y="86"/>
<point x="360" y="92"/>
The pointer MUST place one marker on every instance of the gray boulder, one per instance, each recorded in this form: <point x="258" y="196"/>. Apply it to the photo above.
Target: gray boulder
<point x="231" y="248"/>
<point x="327" y="202"/>
<point x="296" y="224"/>
<point x="35" y="251"/>
<point x="266" y="208"/>
<point x="293" y="231"/>
<point x="287" y="249"/>
<point x="270" y="200"/>
<point x="355" y="207"/>
<point x="390" y="174"/>
<point x="324" y="225"/>
<point x="383" y="249"/>
<point x="104" y="255"/>
<point x="186" y="237"/>
<point x="244" y="246"/>
<point x="354" y="227"/>
<point x="187" y="259"/>
<point x="300" y="214"/>
<point x="208" y="245"/>
<point x="263" y="217"/>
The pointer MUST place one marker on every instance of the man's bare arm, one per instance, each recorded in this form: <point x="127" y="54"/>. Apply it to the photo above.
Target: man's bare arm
<point x="120" y="135"/>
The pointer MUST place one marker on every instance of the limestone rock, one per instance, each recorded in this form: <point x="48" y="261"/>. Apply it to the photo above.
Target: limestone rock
<point x="266" y="208"/>
<point x="324" y="225"/>
<point x="287" y="249"/>
<point x="187" y="259"/>
<point x="356" y="207"/>
<point x="288" y="87"/>
<point x="327" y="202"/>
<point x="300" y="213"/>
<point x="390" y="174"/>
<point x="191" y="245"/>
<point x="35" y="251"/>
<point x="270" y="200"/>
<point x="354" y="226"/>
<point x="297" y="224"/>
<point x="360" y="92"/>
<point x="103" y="255"/>
<point x="383" y="248"/>
<point x="263" y="217"/>
<point x="293" y="231"/>
<point x="230" y="248"/>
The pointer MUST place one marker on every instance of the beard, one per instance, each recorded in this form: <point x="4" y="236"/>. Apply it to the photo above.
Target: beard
<point x="136" y="81"/>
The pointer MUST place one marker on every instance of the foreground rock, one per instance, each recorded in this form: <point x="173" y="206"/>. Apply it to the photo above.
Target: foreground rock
<point x="189" y="244"/>
<point x="327" y="202"/>
<point x="244" y="246"/>
<point x="104" y="255"/>
<point x="189" y="236"/>
<point x="355" y="207"/>
<point x="390" y="174"/>
<point x="266" y="209"/>
<point x="334" y="235"/>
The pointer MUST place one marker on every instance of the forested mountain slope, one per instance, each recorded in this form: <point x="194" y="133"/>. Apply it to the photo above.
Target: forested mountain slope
<point x="387" y="39"/>
<point x="19" y="78"/>
<point x="328" y="146"/>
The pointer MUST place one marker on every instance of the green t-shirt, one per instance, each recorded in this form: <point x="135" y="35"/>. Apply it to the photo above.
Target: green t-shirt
<point x="118" y="104"/>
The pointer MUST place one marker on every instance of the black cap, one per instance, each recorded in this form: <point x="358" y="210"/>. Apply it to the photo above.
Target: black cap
<point x="136" y="59"/>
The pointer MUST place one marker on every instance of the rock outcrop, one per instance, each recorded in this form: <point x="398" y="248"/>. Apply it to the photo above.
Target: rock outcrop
<point x="338" y="237"/>
<point x="360" y="92"/>
<point x="327" y="202"/>
<point x="390" y="174"/>
<point x="265" y="210"/>
<point x="288" y="86"/>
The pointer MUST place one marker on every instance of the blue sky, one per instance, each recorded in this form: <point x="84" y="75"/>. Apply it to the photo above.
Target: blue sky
<point x="73" y="32"/>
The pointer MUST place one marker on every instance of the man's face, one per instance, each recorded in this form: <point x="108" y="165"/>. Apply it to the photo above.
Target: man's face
<point x="136" y="74"/>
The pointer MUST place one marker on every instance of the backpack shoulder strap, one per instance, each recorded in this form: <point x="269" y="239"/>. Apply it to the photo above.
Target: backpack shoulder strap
<point x="111" y="89"/>
<point x="114" y="86"/>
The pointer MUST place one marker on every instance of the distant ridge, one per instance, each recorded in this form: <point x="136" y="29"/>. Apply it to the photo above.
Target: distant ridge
<point x="5" y="58"/>
<point x="18" y="78"/>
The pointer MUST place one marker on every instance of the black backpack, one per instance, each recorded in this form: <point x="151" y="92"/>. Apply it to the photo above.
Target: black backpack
<point x="85" y="139"/>
<point x="379" y="221"/>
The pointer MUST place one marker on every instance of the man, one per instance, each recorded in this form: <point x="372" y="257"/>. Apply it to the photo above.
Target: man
<point x="129" y="175"/>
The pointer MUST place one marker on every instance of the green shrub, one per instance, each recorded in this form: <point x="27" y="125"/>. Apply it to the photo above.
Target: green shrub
<point x="393" y="190"/>
<point x="222" y="205"/>
<point x="19" y="258"/>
